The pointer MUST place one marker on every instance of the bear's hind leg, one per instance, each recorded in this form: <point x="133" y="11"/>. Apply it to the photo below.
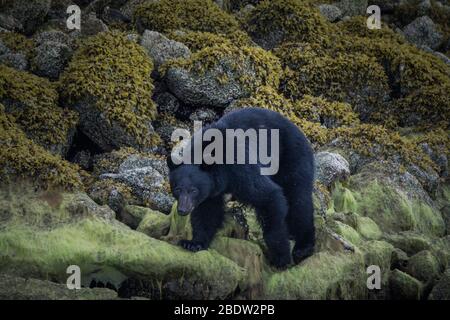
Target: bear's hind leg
<point x="300" y="221"/>
<point x="206" y="219"/>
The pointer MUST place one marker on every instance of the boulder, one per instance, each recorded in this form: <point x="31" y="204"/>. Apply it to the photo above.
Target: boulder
<point x="404" y="287"/>
<point x="76" y="231"/>
<point x="29" y="13"/>
<point x="331" y="167"/>
<point x="162" y="49"/>
<point x="423" y="32"/>
<point x="18" y="288"/>
<point x="154" y="224"/>
<point x="441" y="291"/>
<point x="15" y="60"/>
<point x="352" y="7"/>
<point x="50" y="58"/>
<point x="423" y="266"/>
<point x="331" y="12"/>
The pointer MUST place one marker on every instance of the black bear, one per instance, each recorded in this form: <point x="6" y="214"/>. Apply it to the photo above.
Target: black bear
<point x="283" y="201"/>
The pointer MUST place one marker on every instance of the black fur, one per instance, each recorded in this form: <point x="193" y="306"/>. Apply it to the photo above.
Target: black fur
<point x="283" y="201"/>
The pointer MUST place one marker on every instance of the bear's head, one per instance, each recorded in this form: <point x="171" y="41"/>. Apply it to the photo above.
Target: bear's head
<point x="190" y="186"/>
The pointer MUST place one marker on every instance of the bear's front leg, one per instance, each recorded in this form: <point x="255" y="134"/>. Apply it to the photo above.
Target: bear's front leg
<point x="206" y="219"/>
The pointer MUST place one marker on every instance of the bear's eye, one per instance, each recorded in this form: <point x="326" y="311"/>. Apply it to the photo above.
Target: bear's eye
<point x="193" y="191"/>
<point x="177" y="190"/>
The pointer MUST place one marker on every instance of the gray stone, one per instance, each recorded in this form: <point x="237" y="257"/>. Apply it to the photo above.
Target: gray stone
<point x="50" y="59"/>
<point x="162" y="49"/>
<point x="331" y="167"/>
<point x="352" y="7"/>
<point x="148" y="178"/>
<point x="3" y="48"/>
<point x="205" y="115"/>
<point x="10" y="23"/>
<point x="423" y="32"/>
<point x="29" y="13"/>
<point x="91" y="25"/>
<point x="52" y="36"/>
<point x="15" y="60"/>
<point x="331" y="12"/>
<point x="167" y="103"/>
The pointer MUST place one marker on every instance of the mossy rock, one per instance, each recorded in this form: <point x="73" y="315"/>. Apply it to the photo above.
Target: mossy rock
<point x="107" y="251"/>
<point x="198" y="40"/>
<point x="154" y="224"/>
<point x="395" y="202"/>
<point x="356" y="79"/>
<point x="22" y="159"/>
<point x="215" y="76"/>
<point x="33" y="103"/>
<point x="410" y="242"/>
<point x="322" y="276"/>
<point x="30" y="13"/>
<point x="423" y="266"/>
<point x="367" y="228"/>
<point x="404" y="287"/>
<point x="108" y="81"/>
<point x="269" y="26"/>
<point x="17" y="42"/>
<point x="17" y="288"/>
<point x="379" y="253"/>
<point x="196" y="15"/>
<point x="247" y="255"/>
<point x="347" y="232"/>
<point x="441" y="291"/>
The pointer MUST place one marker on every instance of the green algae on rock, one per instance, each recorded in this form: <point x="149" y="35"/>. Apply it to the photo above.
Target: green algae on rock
<point x="88" y="236"/>
<point x="22" y="159"/>
<point x="33" y="103"/>
<point x="196" y="15"/>
<point x="108" y="81"/>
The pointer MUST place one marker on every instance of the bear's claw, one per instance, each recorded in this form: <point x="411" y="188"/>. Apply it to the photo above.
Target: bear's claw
<point x="191" y="245"/>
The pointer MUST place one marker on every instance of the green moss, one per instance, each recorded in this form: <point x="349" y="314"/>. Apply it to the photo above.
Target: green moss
<point x="322" y="276"/>
<point x="423" y="266"/>
<point x="392" y="210"/>
<point x="21" y="158"/>
<point x="247" y="255"/>
<point x="404" y="287"/>
<point x="263" y="64"/>
<point x="116" y="73"/>
<point x="367" y="228"/>
<point x="17" y="42"/>
<point x="379" y="253"/>
<point x="196" y="15"/>
<point x="343" y="200"/>
<point x="347" y="232"/>
<point x="154" y="224"/>
<point x="296" y="20"/>
<point x="180" y="226"/>
<point x="197" y="40"/>
<point x="95" y="244"/>
<point x="33" y="103"/>
<point x="409" y="241"/>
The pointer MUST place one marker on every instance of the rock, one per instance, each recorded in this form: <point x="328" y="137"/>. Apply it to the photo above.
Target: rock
<point x="167" y="103"/>
<point x="322" y="276"/>
<point x="423" y="266"/>
<point x="29" y="13"/>
<point x="113" y="113"/>
<point x="130" y="6"/>
<point x="409" y="242"/>
<point x="50" y="59"/>
<point x="154" y="224"/>
<point x="230" y="74"/>
<point x="107" y="252"/>
<point x="132" y="215"/>
<point x="15" y="60"/>
<point x="423" y="32"/>
<point x="441" y="291"/>
<point x="331" y="167"/>
<point x="204" y="115"/>
<point x="91" y="25"/>
<point x="347" y="232"/>
<point x="162" y="49"/>
<point x="403" y="286"/>
<point x="52" y="36"/>
<point x="147" y="178"/>
<point x="18" y="288"/>
<point x="10" y="23"/>
<point x="399" y="259"/>
<point x="379" y="253"/>
<point x="352" y="7"/>
<point x="114" y="16"/>
<point x="394" y="199"/>
<point x="83" y="159"/>
<point x="331" y="12"/>
<point x="367" y="228"/>
<point x="3" y="48"/>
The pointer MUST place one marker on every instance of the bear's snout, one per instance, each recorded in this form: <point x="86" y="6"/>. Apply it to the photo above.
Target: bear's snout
<point x="185" y="205"/>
